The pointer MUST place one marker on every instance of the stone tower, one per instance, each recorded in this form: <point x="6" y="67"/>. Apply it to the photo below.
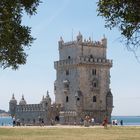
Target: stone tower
<point x="82" y="85"/>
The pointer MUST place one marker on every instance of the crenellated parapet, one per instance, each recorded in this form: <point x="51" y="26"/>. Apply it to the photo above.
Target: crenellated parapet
<point x="86" y="42"/>
<point x="83" y="60"/>
<point x="29" y="107"/>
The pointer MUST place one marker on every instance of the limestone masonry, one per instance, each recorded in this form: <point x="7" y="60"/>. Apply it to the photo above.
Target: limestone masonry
<point x="82" y="86"/>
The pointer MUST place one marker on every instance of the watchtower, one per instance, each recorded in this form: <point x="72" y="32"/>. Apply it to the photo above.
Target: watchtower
<point x="82" y="85"/>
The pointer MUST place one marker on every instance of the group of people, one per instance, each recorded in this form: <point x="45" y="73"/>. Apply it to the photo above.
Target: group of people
<point x="115" y="122"/>
<point x="87" y="121"/>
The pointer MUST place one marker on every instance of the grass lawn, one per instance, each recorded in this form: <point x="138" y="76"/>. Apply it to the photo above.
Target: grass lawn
<point x="44" y="133"/>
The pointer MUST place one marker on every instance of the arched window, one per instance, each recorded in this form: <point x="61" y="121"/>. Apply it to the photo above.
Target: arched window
<point x="94" y="84"/>
<point x="67" y="99"/>
<point x="94" y="99"/>
<point x="69" y="57"/>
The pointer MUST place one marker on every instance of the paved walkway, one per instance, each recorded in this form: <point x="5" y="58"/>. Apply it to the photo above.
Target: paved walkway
<point x="55" y="126"/>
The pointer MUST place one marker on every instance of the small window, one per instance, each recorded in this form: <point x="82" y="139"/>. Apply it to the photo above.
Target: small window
<point x="34" y="121"/>
<point x="94" y="72"/>
<point x="91" y="56"/>
<point x="54" y="87"/>
<point x="94" y="98"/>
<point x="95" y="84"/>
<point x="69" y="57"/>
<point x="67" y="99"/>
<point x="67" y="72"/>
<point x="78" y="99"/>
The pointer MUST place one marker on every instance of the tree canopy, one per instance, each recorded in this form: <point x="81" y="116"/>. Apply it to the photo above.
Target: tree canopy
<point x="15" y="37"/>
<point x="125" y="15"/>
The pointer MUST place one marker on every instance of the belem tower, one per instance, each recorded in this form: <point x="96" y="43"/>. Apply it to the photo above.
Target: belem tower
<point x="82" y="86"/>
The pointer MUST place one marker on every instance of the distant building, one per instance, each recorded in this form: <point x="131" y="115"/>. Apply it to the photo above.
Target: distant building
<point x="34" y="114"/>
<point x="82" y="86"/>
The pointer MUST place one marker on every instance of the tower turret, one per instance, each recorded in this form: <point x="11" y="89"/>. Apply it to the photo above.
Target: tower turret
<point x="79" y="37"/>
<point x="104" y="41"/>
<point x="109" y="104"/>
<point x="22" y="101"/>
<point x="61" y="41"/>
<point x="46" y="101"/>
<point x="12" y="106"/>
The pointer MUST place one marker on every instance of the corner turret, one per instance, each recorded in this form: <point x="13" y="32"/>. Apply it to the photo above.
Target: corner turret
<point x="61" y="41"/>
<point x="22" y="101"/>
<point x="12" y="106"/>
<point x="104" y="41"/>
<point x="46" y="101"/>
<point x="79" y="37"/>
<point x="109" y="104"/>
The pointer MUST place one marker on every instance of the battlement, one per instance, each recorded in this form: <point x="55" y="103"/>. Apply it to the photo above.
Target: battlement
<point x="85" y="42"/>
<point x="29" y="107"/>
<point x="83" y="60"/>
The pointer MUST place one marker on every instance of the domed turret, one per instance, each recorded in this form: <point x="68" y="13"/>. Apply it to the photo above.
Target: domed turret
<point x="48" y="99"/>
<point x="43" y="99"/>
<point x="79" y="37"/>
<point x="104" y="41"/>
<point x="13" y="100"/>
<point x="22" y="101"/>
<point x="61" y="41"/>
<point x="12" y="106"/>
<point x="46" y="102"/>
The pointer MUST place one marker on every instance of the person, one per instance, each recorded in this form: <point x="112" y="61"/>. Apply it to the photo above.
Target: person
<point x="116" y="122"/>
<point x="121" y="122"/>
<point x="113" y="122"/>
<point x="86" y="121"/>
<point x="81" y="121"/>
<point x="18" y="122"/>
<point x="105" y="122"/>
<point x="92" y="121"/>
<point x="14" y="121"/>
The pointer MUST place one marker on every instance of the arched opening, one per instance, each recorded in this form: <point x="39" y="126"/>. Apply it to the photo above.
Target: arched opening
<point x="94" y="99"/>
<point x="67" y="99"/>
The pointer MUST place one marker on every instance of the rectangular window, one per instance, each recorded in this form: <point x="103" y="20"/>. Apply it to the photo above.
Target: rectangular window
<point x="94" y="99"/>
<point x="67" y="72"/>
<point x="67" y="99"/>
<point x="93" y="71"/>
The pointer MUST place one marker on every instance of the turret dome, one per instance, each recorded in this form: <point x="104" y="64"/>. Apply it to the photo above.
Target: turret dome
<point x="13" y="100"/>
<point x="22" y="101"/>
<point x="48" y="97"/>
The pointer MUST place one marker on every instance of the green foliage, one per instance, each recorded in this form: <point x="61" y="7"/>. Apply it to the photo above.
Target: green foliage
<point x="15" y="37"/>
<point x="125" y="15"/>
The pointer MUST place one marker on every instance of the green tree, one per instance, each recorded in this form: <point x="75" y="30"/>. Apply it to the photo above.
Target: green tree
<point x="125" y="15"/>
<point x="15" y="37"/>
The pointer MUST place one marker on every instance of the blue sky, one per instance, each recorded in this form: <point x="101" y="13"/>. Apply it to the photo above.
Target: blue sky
<point x="59" y="18"/>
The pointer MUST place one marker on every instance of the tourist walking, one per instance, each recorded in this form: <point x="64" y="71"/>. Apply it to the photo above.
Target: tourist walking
<point x="105" y="122"/>
<point x="92" y="121"/>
